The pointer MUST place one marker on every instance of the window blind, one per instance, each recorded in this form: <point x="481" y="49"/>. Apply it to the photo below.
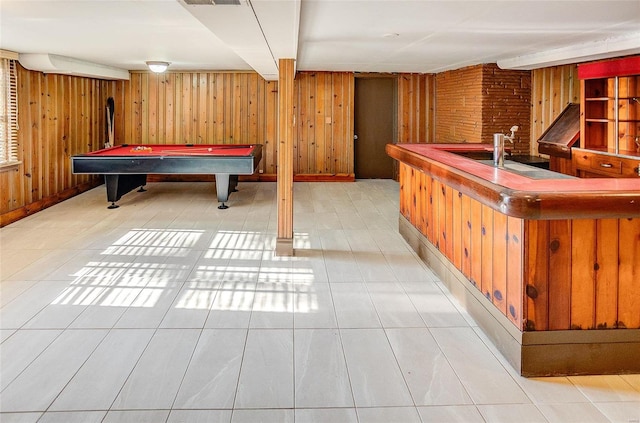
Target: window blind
<point x="8" y="112"/>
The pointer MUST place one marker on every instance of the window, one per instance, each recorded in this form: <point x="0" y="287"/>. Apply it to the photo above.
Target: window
<point x="8" y="113"/>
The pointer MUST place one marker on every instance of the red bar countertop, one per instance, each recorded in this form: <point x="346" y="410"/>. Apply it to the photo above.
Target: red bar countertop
<point x="517" y="195"/>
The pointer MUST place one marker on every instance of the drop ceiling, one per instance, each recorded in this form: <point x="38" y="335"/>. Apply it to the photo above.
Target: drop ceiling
<point x="424" y="36"/>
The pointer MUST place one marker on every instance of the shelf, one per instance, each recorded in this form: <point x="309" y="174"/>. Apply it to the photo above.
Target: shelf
<point x="602" y="120"/>
<point x="600" y="99"/>
<point x="610" y="106"/>
<point x="628" y="154"/>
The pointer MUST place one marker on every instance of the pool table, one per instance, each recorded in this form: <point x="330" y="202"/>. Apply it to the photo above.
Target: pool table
<point x="126" y="166"/>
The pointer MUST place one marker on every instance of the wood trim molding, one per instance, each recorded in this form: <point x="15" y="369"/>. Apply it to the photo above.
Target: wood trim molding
<point x="609" y="68"/>
<point x="11" y="55"/>
<point x="29" y="209"/>
<point x="263" y="177"/>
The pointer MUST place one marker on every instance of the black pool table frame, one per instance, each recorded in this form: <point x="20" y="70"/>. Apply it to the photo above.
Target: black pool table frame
<point x="123" y="173"/>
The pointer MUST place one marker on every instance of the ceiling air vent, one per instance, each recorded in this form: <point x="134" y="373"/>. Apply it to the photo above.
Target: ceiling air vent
<point x="199" y="2"/>
<point x="212" y="2"/>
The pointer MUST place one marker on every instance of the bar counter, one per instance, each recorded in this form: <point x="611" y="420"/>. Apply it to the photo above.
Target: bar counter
<point x="520" y="196"/>
<point x="548" y="265"/>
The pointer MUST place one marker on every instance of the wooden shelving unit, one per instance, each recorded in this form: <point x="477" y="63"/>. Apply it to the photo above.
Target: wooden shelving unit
<point x="609" y="118"/>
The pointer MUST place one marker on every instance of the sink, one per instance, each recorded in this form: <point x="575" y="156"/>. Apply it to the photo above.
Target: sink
<point x="518" y="167"/>
<point x="488" y="155"/>
<point x="529" y="171"/>
<point x="475" y="155"/>
<point x="531" y="167"/>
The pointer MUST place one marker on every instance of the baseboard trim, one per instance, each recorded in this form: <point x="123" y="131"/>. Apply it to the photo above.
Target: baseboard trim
<point x="29" y="209"/>
<point x="258" y="177"/>
<point x="323" y="177"/>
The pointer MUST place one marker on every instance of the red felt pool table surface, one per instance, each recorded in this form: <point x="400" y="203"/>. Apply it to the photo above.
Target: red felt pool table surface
<point x="176" y="150"/>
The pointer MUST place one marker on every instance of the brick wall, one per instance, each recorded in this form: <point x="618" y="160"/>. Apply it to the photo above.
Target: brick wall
<point x="506" y="102"/>
<point x="459" y="105"/>
<point x="475" y="102"/>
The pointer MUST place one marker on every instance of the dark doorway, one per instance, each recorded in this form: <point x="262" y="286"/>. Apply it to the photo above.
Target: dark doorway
<point x="374" y="126"/>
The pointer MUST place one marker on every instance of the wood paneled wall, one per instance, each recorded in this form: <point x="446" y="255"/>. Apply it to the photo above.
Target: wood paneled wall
<point x="552" y="89"/>
<point x="59" y="116"/>
<point x="62" y="115"/>
<point x="240" y="108"/>
<point x="324" y="121"/>
<point x="416" y="108"/>
<point x="199" y="108"/>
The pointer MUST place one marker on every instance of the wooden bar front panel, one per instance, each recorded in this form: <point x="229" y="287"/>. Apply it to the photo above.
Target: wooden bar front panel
<point x="515" y="270"/>
<point x="486" y="256"/>
<point x="588" y="285"/>
<point x="467" y="233"/>
<point x="606" y="284"/>
<point x="501" y="266"/>
<point x="536" y="286"/>
<point x="541" y="274"/>
<point x="629" y="273"/>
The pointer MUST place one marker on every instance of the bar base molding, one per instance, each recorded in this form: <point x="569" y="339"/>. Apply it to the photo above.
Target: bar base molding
<point x="536" y="353"/>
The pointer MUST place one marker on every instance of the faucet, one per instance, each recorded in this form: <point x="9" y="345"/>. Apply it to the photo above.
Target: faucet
<point x="498" y="146"/>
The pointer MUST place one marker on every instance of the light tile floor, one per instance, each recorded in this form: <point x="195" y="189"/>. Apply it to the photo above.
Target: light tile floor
<point x="170" y="310"/>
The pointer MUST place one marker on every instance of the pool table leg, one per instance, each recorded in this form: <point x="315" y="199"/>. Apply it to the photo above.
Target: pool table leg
<point x="222" y="189"/>
<point x="119" y="185"/>
<point x="233" y="183"/>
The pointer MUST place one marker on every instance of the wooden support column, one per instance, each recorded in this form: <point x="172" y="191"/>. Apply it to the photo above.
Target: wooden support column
<point x="286" y="132"/>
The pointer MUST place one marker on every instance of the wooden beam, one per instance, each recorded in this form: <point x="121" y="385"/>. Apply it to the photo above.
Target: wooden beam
<point x="286" y="132"/>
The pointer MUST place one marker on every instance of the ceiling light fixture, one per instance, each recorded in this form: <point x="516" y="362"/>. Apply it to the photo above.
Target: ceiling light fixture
<point x="157" y="67"/>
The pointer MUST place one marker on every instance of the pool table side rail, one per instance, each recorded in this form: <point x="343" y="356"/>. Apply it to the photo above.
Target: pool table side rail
<point x="131" y="164"/>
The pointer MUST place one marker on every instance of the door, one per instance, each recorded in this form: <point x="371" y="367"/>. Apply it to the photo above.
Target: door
<point x="374" y="115"/>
